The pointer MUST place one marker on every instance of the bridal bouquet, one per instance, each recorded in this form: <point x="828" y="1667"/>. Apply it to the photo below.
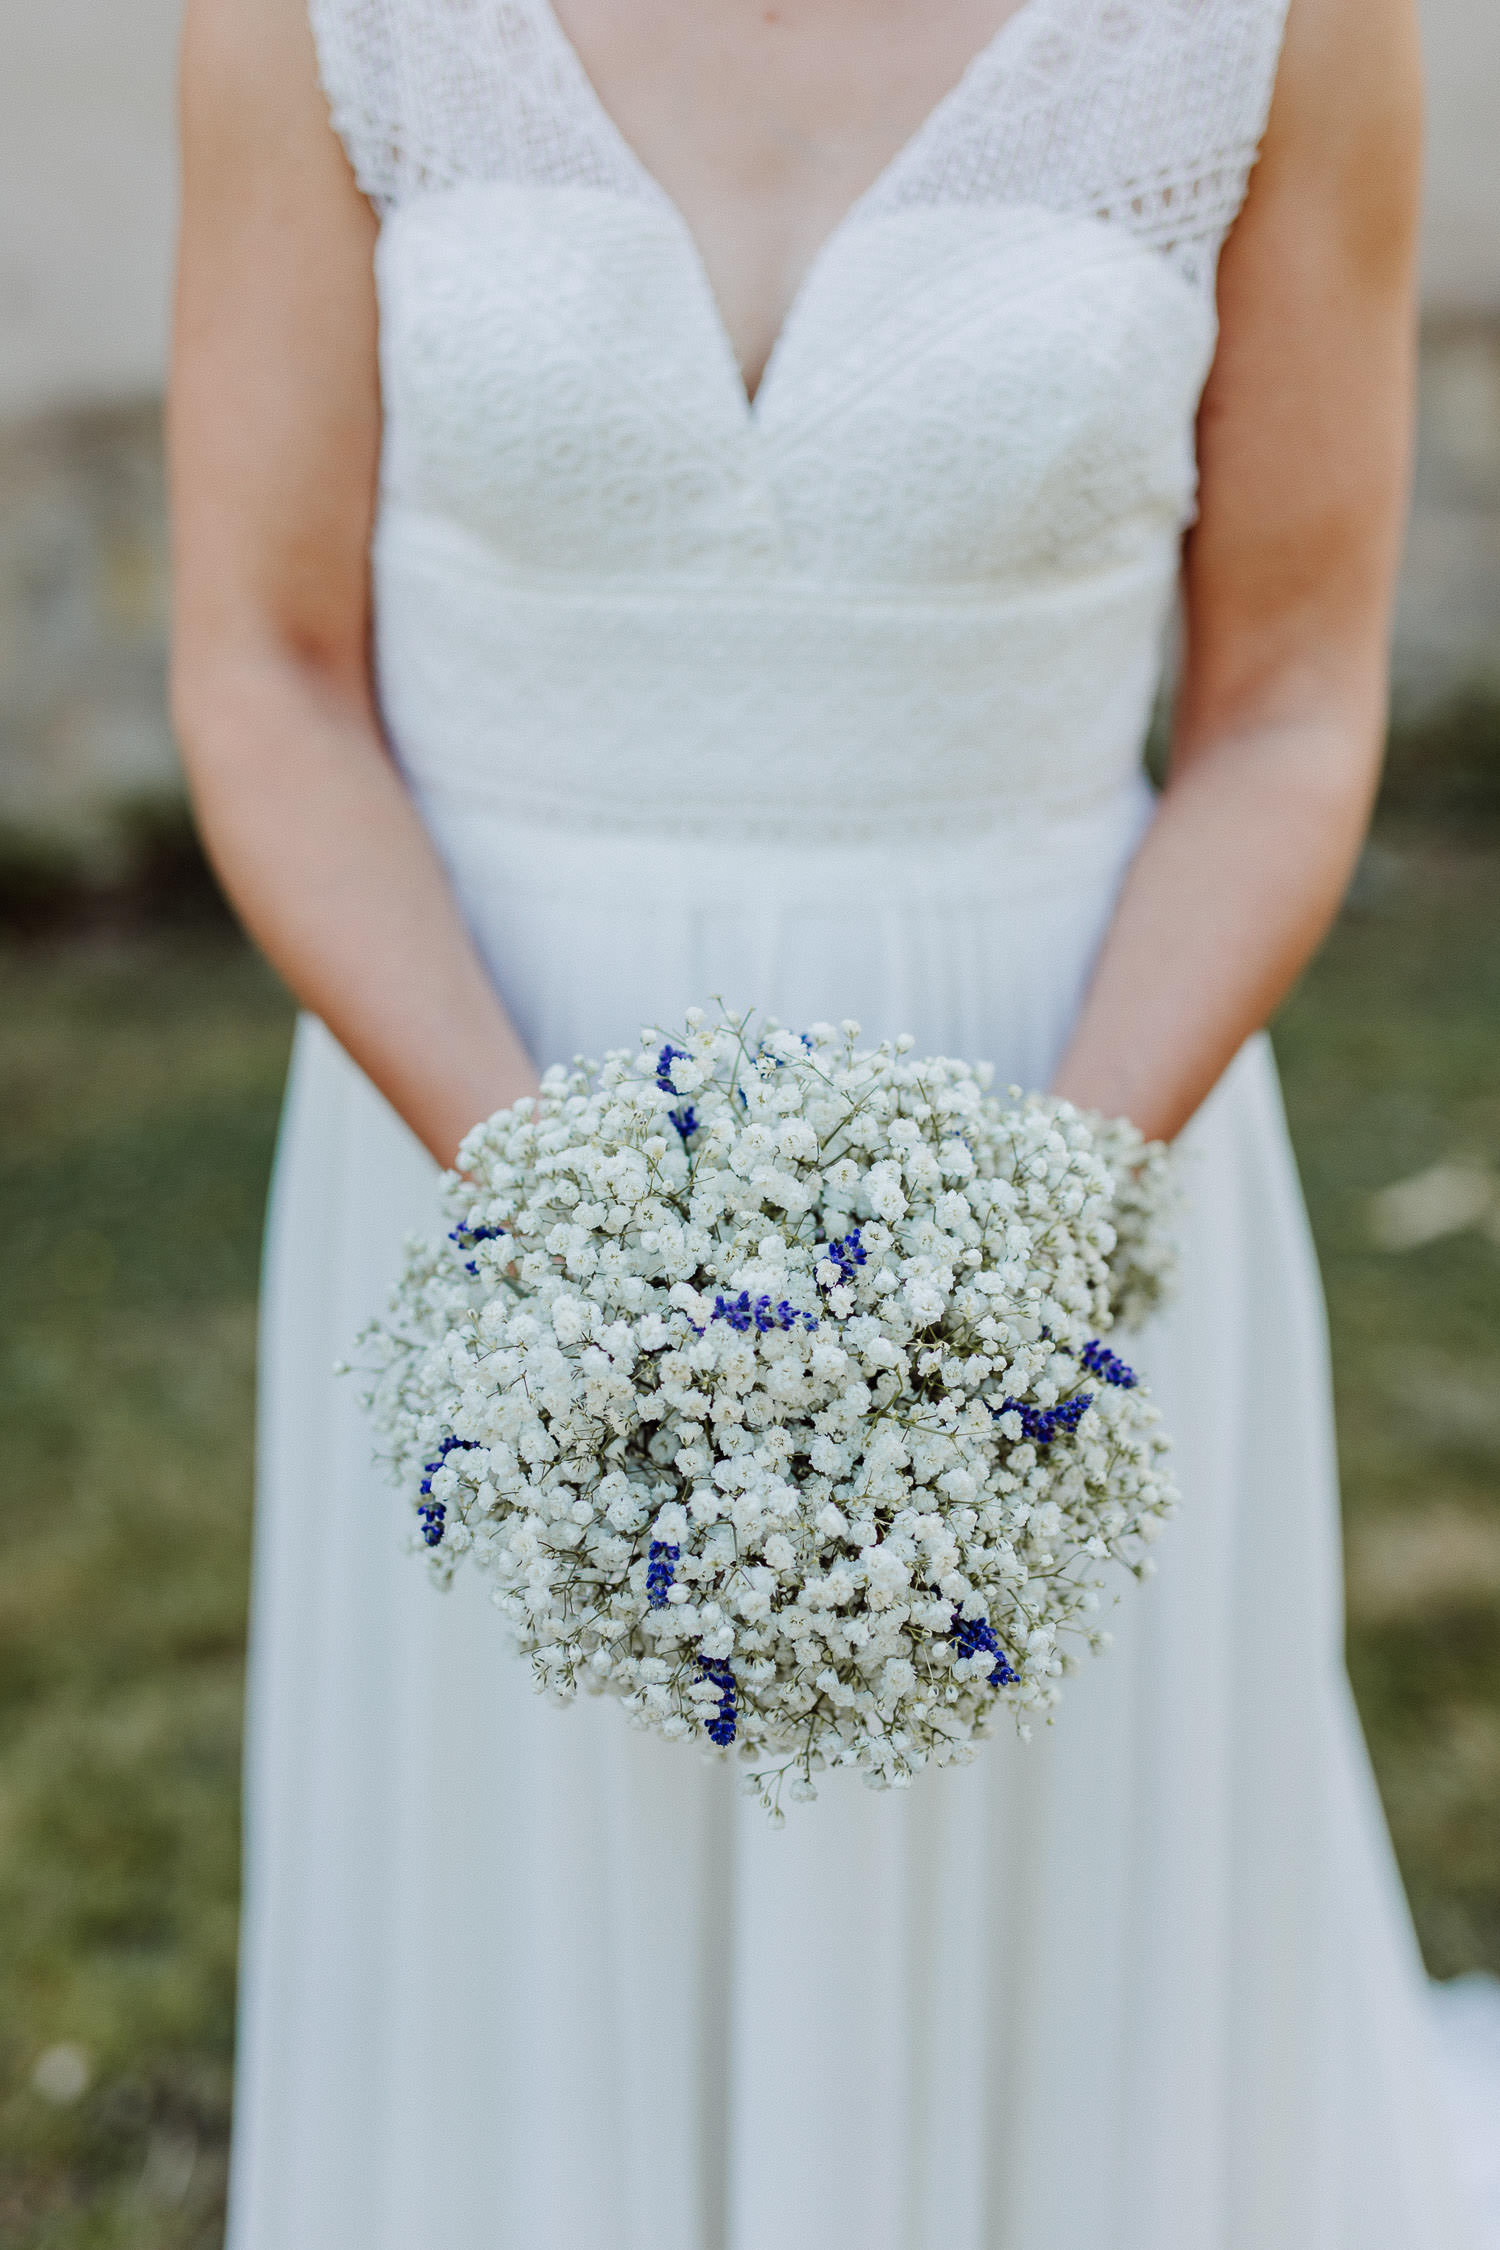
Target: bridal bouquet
<point x="765" y="1377"/>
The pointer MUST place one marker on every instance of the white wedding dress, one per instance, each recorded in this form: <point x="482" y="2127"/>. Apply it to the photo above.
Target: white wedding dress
<point x="831" y="704"/>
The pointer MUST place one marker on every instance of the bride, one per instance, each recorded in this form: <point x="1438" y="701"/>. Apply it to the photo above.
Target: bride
<point x="680" y="497"/>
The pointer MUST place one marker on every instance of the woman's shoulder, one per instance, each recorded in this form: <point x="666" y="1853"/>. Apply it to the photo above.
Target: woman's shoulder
<point x="1348" y="103"/>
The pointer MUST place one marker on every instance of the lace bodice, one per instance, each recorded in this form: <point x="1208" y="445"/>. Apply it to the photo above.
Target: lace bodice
<point x="923" y="578"/>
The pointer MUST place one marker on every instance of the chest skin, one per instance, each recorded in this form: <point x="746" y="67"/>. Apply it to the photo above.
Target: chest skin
<point x="765" y="125"/>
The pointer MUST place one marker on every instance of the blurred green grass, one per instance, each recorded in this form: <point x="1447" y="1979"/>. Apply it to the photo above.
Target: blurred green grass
<point x="1390" y="1056"/>
<point x="141" y="1082"/>
<point x="142" y="1075"/>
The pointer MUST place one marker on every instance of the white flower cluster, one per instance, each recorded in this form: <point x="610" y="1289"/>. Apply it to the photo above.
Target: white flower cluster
<point x="1143" y="1211"/>
<point x="764" y="1376"/>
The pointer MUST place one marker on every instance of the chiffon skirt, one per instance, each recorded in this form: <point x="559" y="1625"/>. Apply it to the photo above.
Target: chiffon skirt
<point x="521" y="1979"/>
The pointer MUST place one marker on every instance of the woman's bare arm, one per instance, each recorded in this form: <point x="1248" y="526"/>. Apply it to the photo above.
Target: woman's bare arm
<point x="1303" y="450"/>
<point x="275" y="433"/>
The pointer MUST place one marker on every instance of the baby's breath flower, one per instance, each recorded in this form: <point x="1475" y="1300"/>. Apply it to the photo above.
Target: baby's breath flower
<point x="765" y="1379"/>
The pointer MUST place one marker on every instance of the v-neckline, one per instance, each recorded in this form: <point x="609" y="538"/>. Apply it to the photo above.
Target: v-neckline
<point x="625" y="153"/>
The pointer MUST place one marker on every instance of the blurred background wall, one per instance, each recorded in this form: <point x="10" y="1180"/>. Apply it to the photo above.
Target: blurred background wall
<point x="86" y="219"/>
<point x="87" y="190"/>
<point x="1449" y="625"/>
<point x="86" y="198"/>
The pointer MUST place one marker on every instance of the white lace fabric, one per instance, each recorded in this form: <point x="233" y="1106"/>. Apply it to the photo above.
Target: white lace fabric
<point x="1148" y="113"/>
<point x="922" y="581"/>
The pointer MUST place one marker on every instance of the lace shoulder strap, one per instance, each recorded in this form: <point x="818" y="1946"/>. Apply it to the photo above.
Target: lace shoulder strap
<point x="429" y="93"/>
<point x="357" y="64"/>
<point x="1146" y="113"/>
